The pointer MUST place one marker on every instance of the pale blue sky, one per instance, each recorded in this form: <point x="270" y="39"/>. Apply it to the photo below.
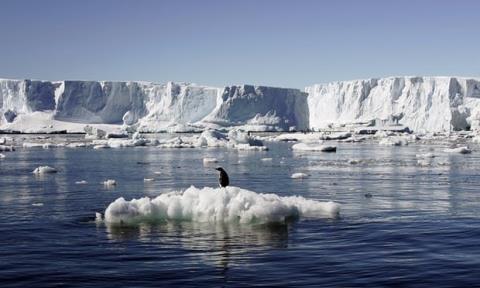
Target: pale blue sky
<point x="277" y="43"/>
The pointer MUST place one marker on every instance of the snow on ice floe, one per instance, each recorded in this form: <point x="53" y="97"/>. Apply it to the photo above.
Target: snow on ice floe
<point x="44" y="170"/>
<point x="217" y="205"/>
<point x="299" y="176"/>
<point x="461" y="150"/>
<point x="314" y="147"/>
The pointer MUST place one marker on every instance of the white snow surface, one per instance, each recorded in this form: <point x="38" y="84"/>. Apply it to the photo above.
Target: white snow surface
<point x="217" y="205"/>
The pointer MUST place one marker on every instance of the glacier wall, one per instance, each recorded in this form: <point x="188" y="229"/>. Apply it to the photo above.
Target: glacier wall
<point x="427" y="104"/>
<point x="420" y="103"/>
<point x="155" y="107"/>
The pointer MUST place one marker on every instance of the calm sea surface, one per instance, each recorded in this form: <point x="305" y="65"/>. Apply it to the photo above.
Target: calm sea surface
<point x="402" y="223"/>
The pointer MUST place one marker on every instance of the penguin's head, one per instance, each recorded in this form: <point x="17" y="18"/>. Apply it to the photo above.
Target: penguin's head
<point x="219" y="169"/>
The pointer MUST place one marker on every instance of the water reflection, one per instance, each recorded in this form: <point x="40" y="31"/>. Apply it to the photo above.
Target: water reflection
<point x="221" y="245"/>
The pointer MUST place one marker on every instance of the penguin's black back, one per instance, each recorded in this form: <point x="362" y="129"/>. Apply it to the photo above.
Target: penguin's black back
<point x="223" y="180"/>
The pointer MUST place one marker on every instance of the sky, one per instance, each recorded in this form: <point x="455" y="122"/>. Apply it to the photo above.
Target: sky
<point x="226" y="42"/>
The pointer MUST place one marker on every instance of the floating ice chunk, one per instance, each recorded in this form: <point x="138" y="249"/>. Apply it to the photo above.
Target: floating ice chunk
<point x="44" y="170"/>
<point x="2" y="156"/>
<point x="157" y="173"/>
<point x="76" y="145"/>
<point x="266" y="159"/>
<point x="101" y="146"/>
<point x="461" y="150"/>
<point x="148" y="179"/>
<point x="354" y="161"/>
<point x="217" y="205"/>
<point x="32" y="145"/>
<point x="393" y="141"/>
<point x="299" y="175"/>
<point x="211" y="138"/>
<point x="314" y="147"/>
<point x="426" y="155"/>
<point x="207" y="161"/>
<point x="353" y="139"/>
<point x="423" y="162"/>
<point x="98" y="217"/>
<point x="109" y="182"/>
<point x="336" y="136"/>
<point x="94" y="133"/>
<point x="248" y="147"/>
<point x="237" y="137"/>
<point x="5" y="148"/>
<point x="178" y="142"/>
<point x="39" y="204"/>
<point x="81" y="182"/>
<point x="48" y="145"/>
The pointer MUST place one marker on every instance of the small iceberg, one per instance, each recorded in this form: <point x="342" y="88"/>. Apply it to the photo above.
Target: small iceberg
<point x="217" y="205"/>
<point x="109" y="182"/>
<point x="5" y="148"/>
<point x="81" y="182"/>
<point x="207" y="161"/>
<point x="299" y="176"/>
<point x="44" y="170"/>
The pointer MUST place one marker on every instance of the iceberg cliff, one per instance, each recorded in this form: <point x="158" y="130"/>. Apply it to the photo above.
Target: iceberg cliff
<point x="153" y="107"/>
<point x="427" y="104"/>
<point x="420" y="103"/>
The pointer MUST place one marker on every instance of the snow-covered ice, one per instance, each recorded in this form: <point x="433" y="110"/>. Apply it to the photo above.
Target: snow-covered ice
<point x="208" y="161"/>
<point x="299" y="175"/>
<point x="461" y="150"/>
<point x="109" y="182"/>
<point x="217" y="205"/>
<point x="5" y="148"/>
<point x="314" y="147"/>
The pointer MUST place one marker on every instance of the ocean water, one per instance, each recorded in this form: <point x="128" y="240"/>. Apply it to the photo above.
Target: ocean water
<point x="402" y="223"/>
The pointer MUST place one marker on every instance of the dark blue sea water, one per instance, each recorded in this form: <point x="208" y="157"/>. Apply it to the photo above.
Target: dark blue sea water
<point x="401" y="223"/>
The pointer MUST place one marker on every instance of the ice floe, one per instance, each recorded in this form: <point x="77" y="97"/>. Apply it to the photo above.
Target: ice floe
<point x="314" y="147"/>
<point x="230" y="204"/>
<point x="299" y="175"/>
<point x="109" y="182"/>
<point x="44" y="170"/>
<point x="461" y="150"/>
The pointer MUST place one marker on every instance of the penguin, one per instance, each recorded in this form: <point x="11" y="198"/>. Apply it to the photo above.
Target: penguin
<point x="223" y="179"/>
